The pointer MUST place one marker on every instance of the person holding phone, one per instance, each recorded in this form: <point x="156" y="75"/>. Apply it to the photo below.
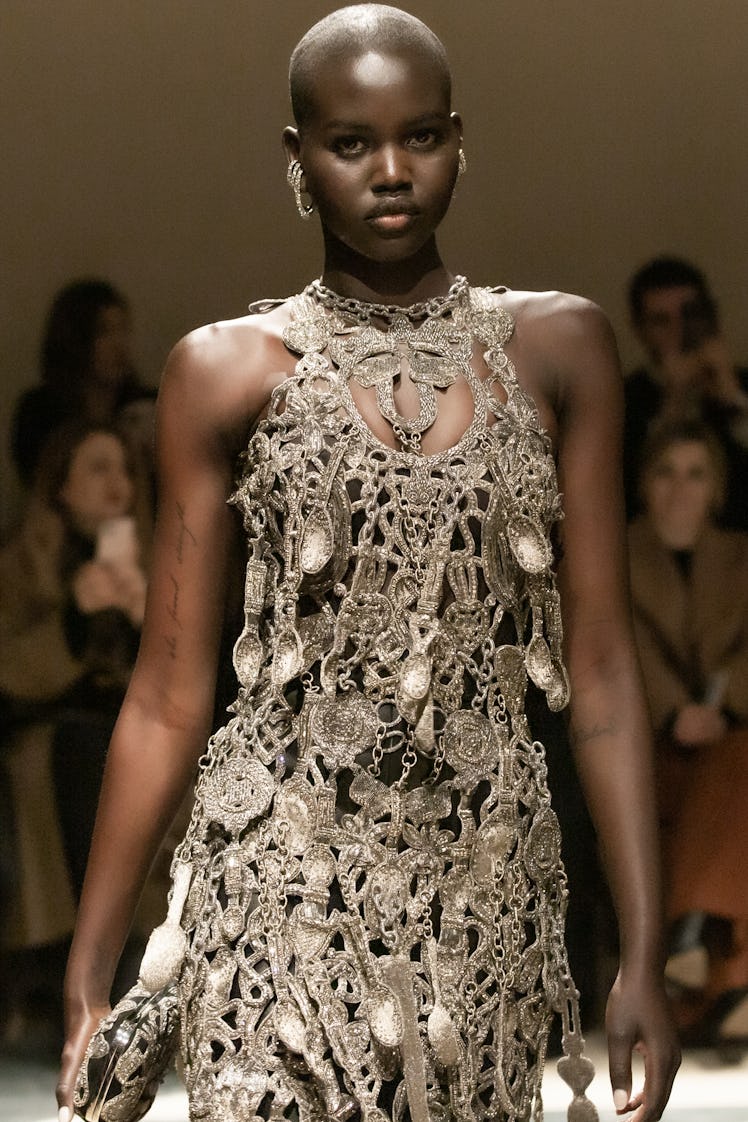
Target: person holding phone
<point x="88" y="471"/>
<point x="690" y="373"/>
<point x="72" y="594"/>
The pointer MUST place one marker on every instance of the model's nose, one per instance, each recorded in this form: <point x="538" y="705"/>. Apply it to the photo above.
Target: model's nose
<point x="392" y="170"/>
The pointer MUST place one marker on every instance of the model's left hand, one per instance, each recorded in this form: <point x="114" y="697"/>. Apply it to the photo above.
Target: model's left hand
<point x="638" y="1019"/>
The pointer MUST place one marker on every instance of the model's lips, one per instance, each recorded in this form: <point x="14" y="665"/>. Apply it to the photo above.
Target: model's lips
<point x="392" y="223"/>
<point x="392" y="217"/>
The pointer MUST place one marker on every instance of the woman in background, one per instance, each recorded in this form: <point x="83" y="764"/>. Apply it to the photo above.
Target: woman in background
<point x="72" y="593"/>
<point x="690" y="596"/>
<point x="87" y="374"/>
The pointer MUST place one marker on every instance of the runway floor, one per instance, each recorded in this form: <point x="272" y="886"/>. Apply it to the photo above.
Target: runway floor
<point x="705" y="1091"/>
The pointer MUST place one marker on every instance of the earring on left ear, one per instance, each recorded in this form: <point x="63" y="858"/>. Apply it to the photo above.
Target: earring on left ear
<point x="293" y="178"/>
<point x="461" y="163"/>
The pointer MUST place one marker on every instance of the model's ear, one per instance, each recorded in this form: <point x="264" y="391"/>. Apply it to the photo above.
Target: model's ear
<point x="291" y="143"/>
<point x="456" y="120"/>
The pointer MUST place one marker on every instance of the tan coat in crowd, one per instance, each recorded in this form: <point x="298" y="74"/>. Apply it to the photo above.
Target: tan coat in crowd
<point x="692" y="635"/>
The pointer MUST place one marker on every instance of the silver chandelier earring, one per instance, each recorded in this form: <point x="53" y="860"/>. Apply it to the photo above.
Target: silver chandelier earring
<point x="461" y="163"/>
<point x="293" y="177"/>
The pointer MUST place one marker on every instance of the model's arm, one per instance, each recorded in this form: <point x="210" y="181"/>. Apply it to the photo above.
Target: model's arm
<point x="609" y="719"/>
<point x="165" y="718"/>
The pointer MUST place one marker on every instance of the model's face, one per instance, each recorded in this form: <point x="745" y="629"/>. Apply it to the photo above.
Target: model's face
<point x="664" y="319"/>
<point x="98" y="484"/>
<point x="110" y="354"/>
<point x="679" y="490"/>
<point x="380" y="153"/>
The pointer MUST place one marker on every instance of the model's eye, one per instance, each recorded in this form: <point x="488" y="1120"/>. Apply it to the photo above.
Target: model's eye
<point x="348" y="145"/>
<point x="424" y="138"/>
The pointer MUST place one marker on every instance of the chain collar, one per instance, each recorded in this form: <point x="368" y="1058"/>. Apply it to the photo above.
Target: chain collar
<point x="364" y="312"/>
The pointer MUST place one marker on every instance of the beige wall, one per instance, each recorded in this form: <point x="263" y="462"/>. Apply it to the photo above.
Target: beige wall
<point x="141" y="141"/>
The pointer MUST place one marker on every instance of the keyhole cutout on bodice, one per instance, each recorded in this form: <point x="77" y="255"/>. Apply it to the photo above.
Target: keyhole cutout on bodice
<point x="455" y="404"/>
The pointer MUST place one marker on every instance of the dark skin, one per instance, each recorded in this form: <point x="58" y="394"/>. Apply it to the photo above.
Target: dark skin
<point x="382" y="139"/>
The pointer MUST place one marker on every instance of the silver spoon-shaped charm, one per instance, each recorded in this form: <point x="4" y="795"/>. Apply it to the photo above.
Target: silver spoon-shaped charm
<point x="443" y="1036"/>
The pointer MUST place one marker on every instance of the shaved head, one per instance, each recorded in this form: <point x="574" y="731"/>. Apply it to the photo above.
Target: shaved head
<point x="354" y="31"/>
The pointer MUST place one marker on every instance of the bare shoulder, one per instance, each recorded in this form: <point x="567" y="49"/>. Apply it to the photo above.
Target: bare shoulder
<point x="226" y="371"/>
<point x="236" y="350"/>
<point x="565" y="343"/>
<point x="558" y="320"/>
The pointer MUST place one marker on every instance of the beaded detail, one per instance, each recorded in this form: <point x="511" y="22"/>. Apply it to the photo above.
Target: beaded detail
<point x="376" y="916"/>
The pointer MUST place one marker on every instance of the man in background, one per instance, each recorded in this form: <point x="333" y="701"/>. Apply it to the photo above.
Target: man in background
<point x="690" y="375"/>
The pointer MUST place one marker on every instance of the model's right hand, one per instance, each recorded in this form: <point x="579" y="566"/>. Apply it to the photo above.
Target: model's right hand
<point x="79" y="1030"/>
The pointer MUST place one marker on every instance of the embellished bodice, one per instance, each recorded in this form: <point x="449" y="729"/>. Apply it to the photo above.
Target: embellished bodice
<point x="376" y="905"/>
<point x="424" y="580"/>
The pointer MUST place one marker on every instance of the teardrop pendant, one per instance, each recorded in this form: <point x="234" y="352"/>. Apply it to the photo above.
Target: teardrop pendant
<point x="539" y="663"/>
<point x="248" y="652"/>
<point x="415" y="676"/>
<point x="528" y="544"/>
<point x="317" y="541"/>
<point x="289" y="657"/>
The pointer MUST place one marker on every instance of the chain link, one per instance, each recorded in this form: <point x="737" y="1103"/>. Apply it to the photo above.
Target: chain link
<point x="364" y="312"/>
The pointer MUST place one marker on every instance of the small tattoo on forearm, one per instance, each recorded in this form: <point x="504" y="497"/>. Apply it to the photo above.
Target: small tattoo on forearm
<point x="171" y="645"/>
<point x="583" y="735"/>
<point x="185" y="534"/>
<point x="173" y="608"/>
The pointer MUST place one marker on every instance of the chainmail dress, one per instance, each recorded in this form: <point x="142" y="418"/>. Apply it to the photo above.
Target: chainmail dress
<point x="375" y="914"/>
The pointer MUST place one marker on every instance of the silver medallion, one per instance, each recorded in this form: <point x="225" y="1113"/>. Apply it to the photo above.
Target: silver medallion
<point x="236" y="792"/>
<point x="543" y="846"/>
<point x="343" y="727"/>
<point x="316" y="634"/>
<point x="472" y="746"/>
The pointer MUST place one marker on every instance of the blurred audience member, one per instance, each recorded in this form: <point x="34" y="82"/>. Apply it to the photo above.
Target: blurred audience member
<point x="87" y="475"/>
<point x="87" y="374"/>
<point x="72" y="592"/>
<point x="690" y="597"/>
<point x="690" y="373"/>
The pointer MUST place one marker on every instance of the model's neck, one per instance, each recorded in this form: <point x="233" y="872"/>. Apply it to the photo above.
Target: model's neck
<point x="387" y="282"/>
